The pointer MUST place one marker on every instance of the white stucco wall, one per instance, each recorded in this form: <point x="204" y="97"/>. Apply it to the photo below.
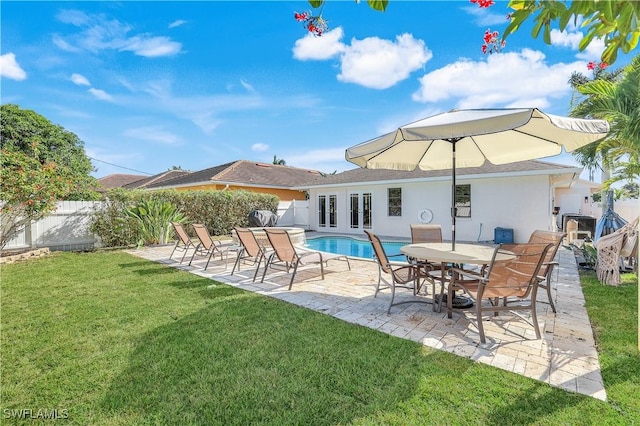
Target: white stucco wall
<point x="522" y="203"/>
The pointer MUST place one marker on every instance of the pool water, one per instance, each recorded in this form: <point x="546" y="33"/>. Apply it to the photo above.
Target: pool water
<point x="351" y="246"/>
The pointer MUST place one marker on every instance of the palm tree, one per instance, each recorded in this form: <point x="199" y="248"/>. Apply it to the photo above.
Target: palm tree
<point x="616" y="100"/>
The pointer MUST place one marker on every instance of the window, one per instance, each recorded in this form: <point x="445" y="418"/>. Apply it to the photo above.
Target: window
<point x="395" y="201"/>
<point x="322" y="211"/>
<point x="463" y="200"/>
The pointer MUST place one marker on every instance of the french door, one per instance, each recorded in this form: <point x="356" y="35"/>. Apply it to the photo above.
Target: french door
<point x="327" y="211"/>
<point x="360" y="210"/>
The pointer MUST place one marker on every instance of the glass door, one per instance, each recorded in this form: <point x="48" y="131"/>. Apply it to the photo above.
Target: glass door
<point x="360" y="216"/>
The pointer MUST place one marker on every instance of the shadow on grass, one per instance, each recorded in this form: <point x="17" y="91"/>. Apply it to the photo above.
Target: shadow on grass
<point x="246" y="359"/>
<point x="134" y="264"/>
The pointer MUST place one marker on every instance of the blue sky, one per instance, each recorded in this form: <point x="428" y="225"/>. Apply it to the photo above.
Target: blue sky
<point x="151" y="85"/>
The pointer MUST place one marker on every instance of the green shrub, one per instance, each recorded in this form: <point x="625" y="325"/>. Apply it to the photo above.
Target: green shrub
<point x="219" y="211"/>
<point x="154" y="217"/>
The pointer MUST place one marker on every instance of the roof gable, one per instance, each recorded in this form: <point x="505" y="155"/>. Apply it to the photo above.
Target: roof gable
<point x="243" y="172"/>
<point x="118" y="180"/>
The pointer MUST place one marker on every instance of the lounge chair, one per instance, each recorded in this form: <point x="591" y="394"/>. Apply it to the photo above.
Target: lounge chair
<point x="548" y="237"/>
<point x="285" y="252"/>
<point x="250" y="250"/>
<point x="513" y="276"/>
<point x="208" y="247"/>
<point x="403" y="274"/>
<point x="183" y="243"/>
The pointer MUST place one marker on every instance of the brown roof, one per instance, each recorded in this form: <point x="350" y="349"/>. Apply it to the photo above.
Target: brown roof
<point x="157" y="179"/>
<point x="118" y="180"/>
<point x="359" y="175"/>
<point x="247" y="173"/>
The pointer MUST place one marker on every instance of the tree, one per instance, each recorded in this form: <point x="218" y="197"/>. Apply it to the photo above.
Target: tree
<point x="41" y="163"/>
<point x="279" y="161"/>
<point x="616" y="22"/>
<point x="616" y="100"/>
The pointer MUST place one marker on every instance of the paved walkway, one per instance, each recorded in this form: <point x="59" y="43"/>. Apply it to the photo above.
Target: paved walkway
<point x="565" y="357"/>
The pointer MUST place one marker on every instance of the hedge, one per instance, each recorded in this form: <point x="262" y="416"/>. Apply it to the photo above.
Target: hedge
<point x="219" y="211"/>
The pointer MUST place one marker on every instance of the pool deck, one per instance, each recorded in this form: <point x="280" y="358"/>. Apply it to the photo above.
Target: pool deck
<point x="564" y="357"/>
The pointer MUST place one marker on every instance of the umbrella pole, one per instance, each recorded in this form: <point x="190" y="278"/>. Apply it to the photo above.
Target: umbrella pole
<point x="453" y="194"/>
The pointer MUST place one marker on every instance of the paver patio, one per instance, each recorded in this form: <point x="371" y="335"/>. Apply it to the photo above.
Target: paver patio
<point x="565" y="357"/>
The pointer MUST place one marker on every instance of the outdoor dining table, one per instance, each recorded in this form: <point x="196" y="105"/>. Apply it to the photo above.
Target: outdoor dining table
<point x="464" y="253"/>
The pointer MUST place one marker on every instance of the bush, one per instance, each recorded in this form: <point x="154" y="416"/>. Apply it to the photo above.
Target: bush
<point x="219" y="211"/>
<point x="154" y="217"/>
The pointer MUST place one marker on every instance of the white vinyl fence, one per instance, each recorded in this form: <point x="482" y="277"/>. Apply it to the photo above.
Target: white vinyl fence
<point x="294" y="213"/>
<point x="67" y="228"/>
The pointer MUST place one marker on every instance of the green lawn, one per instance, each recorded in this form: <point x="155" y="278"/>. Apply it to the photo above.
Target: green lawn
<point x="107" y="338"/>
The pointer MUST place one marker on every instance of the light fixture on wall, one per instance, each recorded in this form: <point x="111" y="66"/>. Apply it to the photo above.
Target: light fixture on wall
<point x="556" y="210"/>
<point x="586" y="199"/>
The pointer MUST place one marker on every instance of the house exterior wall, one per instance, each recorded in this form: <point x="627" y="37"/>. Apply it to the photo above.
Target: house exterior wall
<point x="522" y="203"/>
<point x="283" y="194"/>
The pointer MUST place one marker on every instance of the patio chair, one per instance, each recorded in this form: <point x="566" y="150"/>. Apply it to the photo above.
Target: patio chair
<point x="548" y="237"/>
<point x="513" y="274"/>
<point x="429" y="233"/>
<point x="250" y="250"/>
<point x="285" y="252"/>
<point x="403" y="274"/>
<point x="208" y="247"/>
<point x="183" y="243"/>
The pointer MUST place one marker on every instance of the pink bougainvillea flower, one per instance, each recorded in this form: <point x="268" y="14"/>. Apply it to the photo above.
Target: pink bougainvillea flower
<point x="483" y="3"/>
<point x="591" y="65"/>
<point x="603" y="65"/>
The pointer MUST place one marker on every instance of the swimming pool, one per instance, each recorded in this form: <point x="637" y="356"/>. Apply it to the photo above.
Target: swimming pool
<point x="351" y="246"/>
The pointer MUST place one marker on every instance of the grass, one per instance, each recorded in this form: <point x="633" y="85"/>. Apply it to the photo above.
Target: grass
<point x="112" y="339"/>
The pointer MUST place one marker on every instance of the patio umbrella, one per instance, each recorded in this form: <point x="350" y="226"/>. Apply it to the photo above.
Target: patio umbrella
<point x="468" y="138"/>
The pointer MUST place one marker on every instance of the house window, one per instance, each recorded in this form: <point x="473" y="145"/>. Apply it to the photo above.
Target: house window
<point x="322" y="211"/>
<point x="394" y="196"/>
<point x="463" y="200"/>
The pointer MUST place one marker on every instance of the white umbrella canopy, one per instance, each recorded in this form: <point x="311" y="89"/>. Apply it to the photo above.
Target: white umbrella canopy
<point x="468" y="138"/>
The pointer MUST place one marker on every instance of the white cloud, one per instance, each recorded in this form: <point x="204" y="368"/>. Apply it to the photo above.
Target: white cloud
<point x="80" y="80"/>
<point x="152" y="47"/>
<point x="9" y="67"/>
<point x="324" y="160"/>
<point x="371" y="62"/>
<point x="100" y="94"/>
<point x="319" y="48"/>
<point x="73" y="17"/>
<point x="177" y="23"/>
<point x="504" y="80"/>
<point x="259" y="147"/>
<point x="483" y="17"/>
<point x="380" y="64"/>
<point x="571" y="39"/>
<point x="97" y="33"/>
<point x="248" y="87"/>
<point x="153" y="134"/>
